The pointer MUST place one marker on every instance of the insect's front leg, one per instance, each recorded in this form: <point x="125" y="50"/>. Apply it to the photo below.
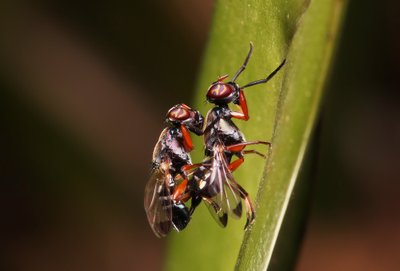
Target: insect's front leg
<point x="187" y="139"/>
<point x="243" y="114"/>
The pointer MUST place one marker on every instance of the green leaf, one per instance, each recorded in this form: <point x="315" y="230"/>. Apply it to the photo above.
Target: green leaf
<point x="282" y="111"/>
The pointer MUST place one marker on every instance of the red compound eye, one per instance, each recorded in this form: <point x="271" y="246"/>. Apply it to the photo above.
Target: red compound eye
<point x="219" y="90"/>
<point x="178" y="113"/>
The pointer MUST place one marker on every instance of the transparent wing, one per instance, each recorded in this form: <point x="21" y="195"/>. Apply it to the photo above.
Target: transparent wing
<point x="158" y="202"/>
<point x="219" y="190"/>
<point x="216" y="211"/>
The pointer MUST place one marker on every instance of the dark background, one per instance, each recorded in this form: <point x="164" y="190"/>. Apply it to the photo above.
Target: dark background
<point x="84" y="89"/>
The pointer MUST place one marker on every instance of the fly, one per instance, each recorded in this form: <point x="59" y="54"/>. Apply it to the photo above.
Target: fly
<point x="213" y="181"/>
<point x="166" y="190"/>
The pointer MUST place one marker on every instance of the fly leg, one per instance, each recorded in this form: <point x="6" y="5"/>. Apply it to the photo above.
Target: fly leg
<point x="238" y="150"/>
<point x="250" y="213"/>
<point x="240" y="146"/>
<point x="180" y="193"/>
<point x="243" y="113"/>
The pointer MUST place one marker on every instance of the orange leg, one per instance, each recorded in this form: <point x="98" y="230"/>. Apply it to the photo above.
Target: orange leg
<point x="244" y="111"/>
<point x="180" y="189"/>
<point x="187" y="168"/>
<point x="240" y="146"/>
<point x="235" y="164"/>
<point x="187" y="140"/>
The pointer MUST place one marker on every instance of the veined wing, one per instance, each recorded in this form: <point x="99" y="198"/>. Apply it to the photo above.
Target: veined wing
<point x="158" y="202"/>
<point x="218" y="188"/>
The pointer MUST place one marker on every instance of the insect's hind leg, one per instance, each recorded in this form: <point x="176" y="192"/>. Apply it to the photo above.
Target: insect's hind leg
<point x="180" y="193"/>
<point x="250" y="213"/>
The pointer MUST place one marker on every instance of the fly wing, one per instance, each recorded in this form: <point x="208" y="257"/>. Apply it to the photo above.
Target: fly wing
<point x="219" y="191"/>
<point x="230" y="196"/>
<point x="202" y="191"/>
<point x="216" y="211"/>
<point x="158" y="202"/>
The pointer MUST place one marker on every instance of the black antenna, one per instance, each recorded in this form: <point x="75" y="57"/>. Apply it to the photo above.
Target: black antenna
<point x="262" y="81"/>
<point x="241" y="69"/>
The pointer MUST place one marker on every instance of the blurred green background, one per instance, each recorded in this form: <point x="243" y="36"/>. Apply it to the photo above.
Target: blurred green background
<point x="84" y="90"/>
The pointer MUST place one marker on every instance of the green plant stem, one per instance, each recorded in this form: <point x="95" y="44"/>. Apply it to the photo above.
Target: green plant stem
<point x="309" y="59"/>
<point x="304" y="32"/>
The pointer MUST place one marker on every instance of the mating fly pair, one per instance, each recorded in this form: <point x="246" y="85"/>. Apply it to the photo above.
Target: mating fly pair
<point x="174" y="181"/>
